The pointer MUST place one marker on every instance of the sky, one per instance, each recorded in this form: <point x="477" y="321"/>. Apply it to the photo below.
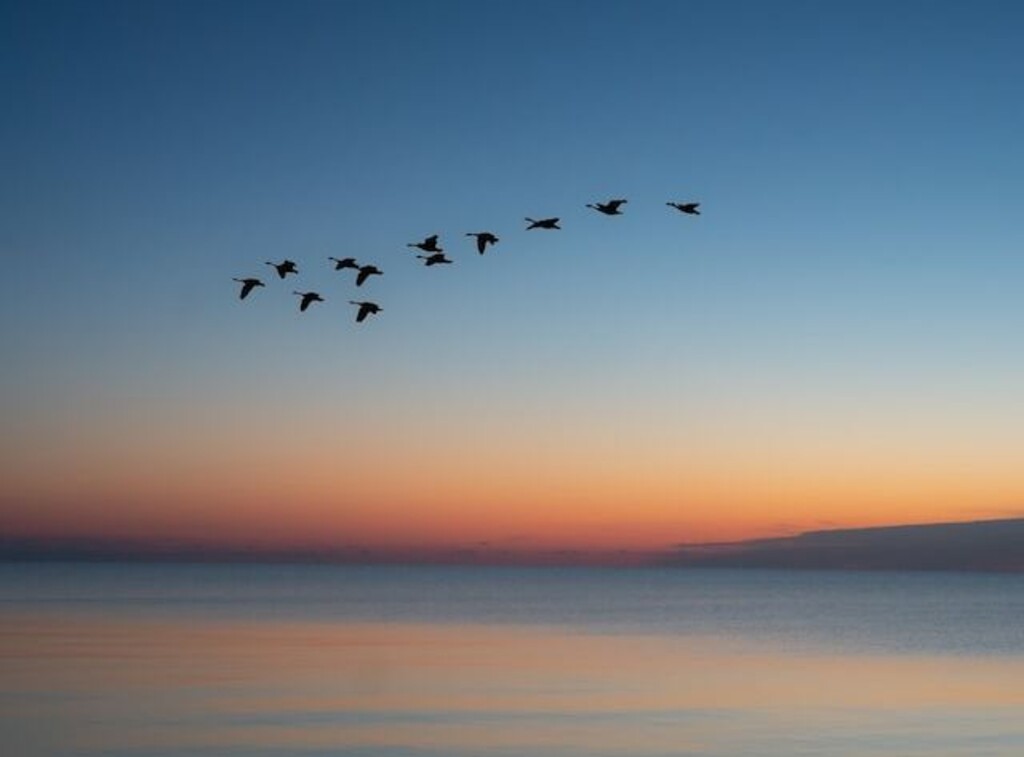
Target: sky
<point x="834" y="342"/>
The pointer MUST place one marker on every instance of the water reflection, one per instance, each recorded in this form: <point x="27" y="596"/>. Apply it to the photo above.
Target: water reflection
<point x="137" y="686"/>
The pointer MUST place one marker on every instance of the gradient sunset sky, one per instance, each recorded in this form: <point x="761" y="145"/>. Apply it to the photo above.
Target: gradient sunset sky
<point x="838" y="340"/>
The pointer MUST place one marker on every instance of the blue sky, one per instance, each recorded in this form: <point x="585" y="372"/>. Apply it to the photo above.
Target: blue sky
<point x="857" y="265"/>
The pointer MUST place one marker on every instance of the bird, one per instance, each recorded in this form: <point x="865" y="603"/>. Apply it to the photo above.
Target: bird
<point x="427" y="245"/>
<point x="483" y="238"/>
<point x="686" y="207"/>
<point x="307" y="299"/>
<point x="247" y="286"/>
<point x="437" y="257"/>
<point x="610" y="208"/>
<point x="366" y="272"/>
<point x="544" y="223"/>
<point x="365" y="309"/>
<point x="344" y="263"/>
<point x="284" y="267"/>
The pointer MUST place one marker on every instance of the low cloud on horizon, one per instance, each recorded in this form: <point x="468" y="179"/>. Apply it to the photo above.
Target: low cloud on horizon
<point x="991" y="545"/>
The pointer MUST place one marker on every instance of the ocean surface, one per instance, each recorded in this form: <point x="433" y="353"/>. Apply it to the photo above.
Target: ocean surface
<point x="311" y="661"/>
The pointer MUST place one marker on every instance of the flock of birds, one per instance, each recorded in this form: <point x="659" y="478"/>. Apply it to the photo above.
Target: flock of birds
<point x="434" y="256"/>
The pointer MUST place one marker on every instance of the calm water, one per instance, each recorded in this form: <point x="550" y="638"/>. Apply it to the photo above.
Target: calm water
<point x="134" y="661"/>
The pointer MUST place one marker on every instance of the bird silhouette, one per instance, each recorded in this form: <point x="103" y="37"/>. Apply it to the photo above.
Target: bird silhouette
<point x="483" y="238"/>
<point x="308" y="298"/>
<point x="427" y="245"/>
<point x="610" y="208"/>
<point x="686" y="207"/>
<point x="344" y="263"/>
<point x="284" y="267"/>
<point x="366" y="272"/>
<point x="437" y="257"/>
<point x="365" y="309"/>
<point x="247" y="286"/>
<point x="543" y="223"/>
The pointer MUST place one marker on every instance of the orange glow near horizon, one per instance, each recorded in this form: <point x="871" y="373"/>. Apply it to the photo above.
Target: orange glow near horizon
<point x="623" y="481"/>
<point x="529" y="504"/>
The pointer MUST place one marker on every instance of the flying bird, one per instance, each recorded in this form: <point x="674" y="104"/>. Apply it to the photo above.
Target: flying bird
<point x="543" y="223"/>
<point x="437" y="257"/>
<point x="366" y="272"/>
<point x="308" y="298"/>
<point x="284" y="267"/>
<point x="686" y="207"/>
<point x="247" y="286"/>
<point x="365" y="309"/>
<point x="427" y="245"/>
<point x="344" y="263"/>
<point x="483" y="238"/>
<point x="610" y="208"/>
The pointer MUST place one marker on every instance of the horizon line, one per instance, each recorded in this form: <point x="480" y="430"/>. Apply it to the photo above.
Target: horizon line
<point x="991" y="545"/>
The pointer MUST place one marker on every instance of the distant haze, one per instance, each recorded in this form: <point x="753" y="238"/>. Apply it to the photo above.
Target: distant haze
<point x="996" y="545"/>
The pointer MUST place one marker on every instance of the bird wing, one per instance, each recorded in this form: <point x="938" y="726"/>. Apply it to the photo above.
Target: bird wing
<point x="361" y="315"/>
<point x="247" y="287"/>
<point x="481" y="243"/>
<point x="363" y="275"/>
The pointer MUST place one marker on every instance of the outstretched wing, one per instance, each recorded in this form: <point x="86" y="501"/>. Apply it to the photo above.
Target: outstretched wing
<point x="247" y="287"/>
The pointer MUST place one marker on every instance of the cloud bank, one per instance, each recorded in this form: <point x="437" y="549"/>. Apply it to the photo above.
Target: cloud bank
<point x="993" y="545"/>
